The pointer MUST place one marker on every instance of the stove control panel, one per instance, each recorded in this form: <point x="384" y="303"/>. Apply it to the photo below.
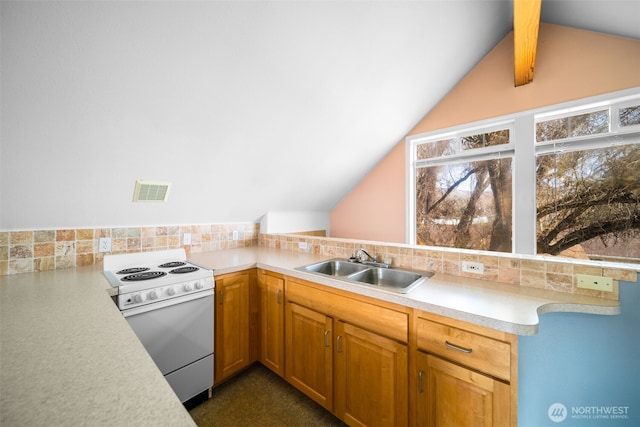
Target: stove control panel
<point x="163" y="293"/>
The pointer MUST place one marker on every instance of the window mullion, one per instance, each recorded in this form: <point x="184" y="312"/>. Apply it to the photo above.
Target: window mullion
<point x="524" y="179"/>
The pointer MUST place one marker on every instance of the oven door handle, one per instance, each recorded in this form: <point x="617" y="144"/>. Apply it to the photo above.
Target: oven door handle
<point x="166" y="303"/>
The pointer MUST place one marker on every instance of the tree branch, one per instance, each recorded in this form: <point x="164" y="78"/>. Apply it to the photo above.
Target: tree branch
<point x="604" y="198"/>
<point x="450" y="189"/>
<point x="584" y="234"/>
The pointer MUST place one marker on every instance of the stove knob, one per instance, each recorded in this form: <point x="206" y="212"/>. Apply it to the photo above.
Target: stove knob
<point x="153" y="295"/>
<point x="188" y="287"/>
<point x="198" y="285"/>
<point x="140" y="298"/>
<point x="171" y="291"/>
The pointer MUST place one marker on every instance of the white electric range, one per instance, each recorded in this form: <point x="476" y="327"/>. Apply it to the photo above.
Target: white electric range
<point x="169" y="304"/>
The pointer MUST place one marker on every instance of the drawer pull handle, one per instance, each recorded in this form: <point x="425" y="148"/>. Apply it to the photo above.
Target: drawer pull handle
<point x="458" y="348"/>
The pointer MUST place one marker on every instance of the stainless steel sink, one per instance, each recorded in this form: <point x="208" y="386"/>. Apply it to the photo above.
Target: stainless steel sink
<point x="393" y="279"/>
<point x="389" y="278"/>
<point x="335" y="267"/>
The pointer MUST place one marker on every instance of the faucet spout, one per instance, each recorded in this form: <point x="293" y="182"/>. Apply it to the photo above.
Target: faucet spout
<point x="361" y="256"/>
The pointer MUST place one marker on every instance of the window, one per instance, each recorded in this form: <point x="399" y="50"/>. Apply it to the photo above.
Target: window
<point x="629" y="116"/>
<point x="592" y="123"/>
<point x="588" y="187"/>
<point x="463" y="190"/>
<point x="587" y="202"/>
<point x="562" y="180"/>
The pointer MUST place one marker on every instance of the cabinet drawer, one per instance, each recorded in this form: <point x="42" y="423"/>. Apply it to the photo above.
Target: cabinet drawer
<point x="375" y="318"/>
<point x="467" y="348"/>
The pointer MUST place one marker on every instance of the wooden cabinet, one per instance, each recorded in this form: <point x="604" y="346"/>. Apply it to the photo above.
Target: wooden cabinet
<point x="450" y="395"/>
<point x="272" y="320"/>
<point x="371" y="373"/>
<point x="353" y="354"/>
<point x="349" y="355"/>
<point x="309" y="353"/>
<point x="232" y="330"/>
<point x="466" y="374"/>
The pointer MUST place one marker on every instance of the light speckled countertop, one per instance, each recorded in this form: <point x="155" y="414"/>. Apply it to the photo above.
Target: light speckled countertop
<point x="68" y="357"/>
<point x="507" y="308"/>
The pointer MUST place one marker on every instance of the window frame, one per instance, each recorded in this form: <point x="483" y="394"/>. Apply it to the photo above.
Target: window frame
<point x="525" y="150"/>
<point x="462" y="156"/>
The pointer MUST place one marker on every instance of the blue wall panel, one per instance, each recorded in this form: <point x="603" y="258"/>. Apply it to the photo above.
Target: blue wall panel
<point x="583" y="370"/>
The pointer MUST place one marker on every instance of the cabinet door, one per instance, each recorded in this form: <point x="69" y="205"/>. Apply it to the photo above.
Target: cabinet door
<point x="309" y="362"/>
<point x="450" y="395"/>
<point x="272" y="321"/>
<point x="371" y="378"/>
<point x="232" y="325"/>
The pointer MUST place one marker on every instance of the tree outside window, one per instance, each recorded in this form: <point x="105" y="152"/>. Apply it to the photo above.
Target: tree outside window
<point x="587" y="185"/>
<point x="465" y="205"/>
<point x="588" y="200"/>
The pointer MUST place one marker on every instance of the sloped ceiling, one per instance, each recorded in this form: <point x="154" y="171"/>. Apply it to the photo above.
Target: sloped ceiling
<point x="246" y="107"/>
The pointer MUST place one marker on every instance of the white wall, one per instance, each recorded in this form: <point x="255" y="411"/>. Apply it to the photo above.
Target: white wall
<point x="246" y="107"/>
<point x="99" y="94"/>
<point x="291" y="222"/>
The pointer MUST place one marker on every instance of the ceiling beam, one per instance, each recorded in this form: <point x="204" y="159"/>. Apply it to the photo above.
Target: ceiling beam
<point x="526" y="21"/>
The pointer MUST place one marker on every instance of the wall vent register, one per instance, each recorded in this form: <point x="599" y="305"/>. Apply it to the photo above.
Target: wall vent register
<point x="151" y="191"/>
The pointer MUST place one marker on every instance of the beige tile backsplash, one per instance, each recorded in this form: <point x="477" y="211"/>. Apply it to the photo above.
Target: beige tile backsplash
<point x="551" y="274"/>
<point x="39" y="250"/>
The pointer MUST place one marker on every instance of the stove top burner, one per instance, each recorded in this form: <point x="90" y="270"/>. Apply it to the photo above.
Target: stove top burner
<point x="183" y="270"/>
<point x="133" y="270"/>
<point x="146" y="275"/>
<point x="172" y="264"/>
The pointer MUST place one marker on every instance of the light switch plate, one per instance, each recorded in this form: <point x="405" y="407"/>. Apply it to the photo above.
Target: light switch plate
<point x="186" y="239"/>
<point x="596" y="283"/>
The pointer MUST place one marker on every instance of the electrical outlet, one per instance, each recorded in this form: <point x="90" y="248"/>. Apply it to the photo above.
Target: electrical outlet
<point x="596" y="283"/>
<point x="235" y="234"/>
<point x="186" y="239"/>
<point x="302" y="245"/>
<point x="472" y="267"/>
<point x="104" y="244"/>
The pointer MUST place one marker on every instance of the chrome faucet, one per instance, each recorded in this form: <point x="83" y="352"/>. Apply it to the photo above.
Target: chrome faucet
<point x="363" y="257"/>
<point x="361" y="253"/>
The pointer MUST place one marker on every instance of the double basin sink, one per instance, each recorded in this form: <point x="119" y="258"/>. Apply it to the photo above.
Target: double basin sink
<point x="393" y="279"/>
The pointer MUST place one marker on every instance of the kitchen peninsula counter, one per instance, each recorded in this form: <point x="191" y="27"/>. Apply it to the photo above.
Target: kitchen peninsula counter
<point x="68" y="357"/>
<point x="507" y="308"/>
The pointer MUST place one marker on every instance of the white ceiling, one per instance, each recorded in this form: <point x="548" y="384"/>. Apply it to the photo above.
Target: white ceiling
<point x="246" y="107"/>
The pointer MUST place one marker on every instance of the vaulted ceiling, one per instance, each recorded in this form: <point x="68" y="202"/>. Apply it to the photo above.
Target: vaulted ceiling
<point x="246" y="107"/>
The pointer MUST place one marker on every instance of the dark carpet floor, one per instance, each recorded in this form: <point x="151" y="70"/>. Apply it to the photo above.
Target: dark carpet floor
<point x="258" y="397"/>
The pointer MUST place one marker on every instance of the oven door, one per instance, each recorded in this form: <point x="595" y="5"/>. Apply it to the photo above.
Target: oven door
<point x="176" y="332"/>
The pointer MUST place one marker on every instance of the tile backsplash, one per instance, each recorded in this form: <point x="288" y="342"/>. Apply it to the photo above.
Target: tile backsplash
<point x="556" y="274"/>
<point x="39" y="250"/>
